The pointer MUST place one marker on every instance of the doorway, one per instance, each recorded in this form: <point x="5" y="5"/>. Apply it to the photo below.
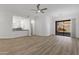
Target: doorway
<point x="32" y="27"/>
<point x="63" y="28"/>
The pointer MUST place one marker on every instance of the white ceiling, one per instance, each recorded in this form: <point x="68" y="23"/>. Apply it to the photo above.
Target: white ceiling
<point x="25" y="9"/>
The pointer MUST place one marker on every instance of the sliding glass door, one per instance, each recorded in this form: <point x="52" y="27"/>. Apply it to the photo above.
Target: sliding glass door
<point x="63" y="27"/>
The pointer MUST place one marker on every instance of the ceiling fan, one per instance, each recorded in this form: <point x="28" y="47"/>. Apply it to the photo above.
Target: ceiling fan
<point x="38" y="10"/>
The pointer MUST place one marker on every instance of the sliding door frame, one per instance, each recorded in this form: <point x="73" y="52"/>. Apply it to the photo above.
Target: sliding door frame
<point x="61" y="33"/>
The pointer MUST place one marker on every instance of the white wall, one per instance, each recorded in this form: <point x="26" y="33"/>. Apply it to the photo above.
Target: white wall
<point x="73" y="27"/>
<point x="6" y="26"/>
<point x="77" y="27"/>
<point x="41" y="25"/>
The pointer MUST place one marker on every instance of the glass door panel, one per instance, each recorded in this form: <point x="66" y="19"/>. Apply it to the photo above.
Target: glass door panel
<point x="63" y="27"/>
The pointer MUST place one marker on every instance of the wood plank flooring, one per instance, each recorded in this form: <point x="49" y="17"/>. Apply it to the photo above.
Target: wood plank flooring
<point x="38" y="45"/>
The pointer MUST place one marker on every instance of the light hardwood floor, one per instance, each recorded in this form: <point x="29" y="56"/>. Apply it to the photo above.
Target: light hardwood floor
<point x="37" y="45"/>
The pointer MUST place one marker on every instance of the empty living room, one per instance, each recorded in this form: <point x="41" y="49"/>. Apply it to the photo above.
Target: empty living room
<point x="39" y="29"/>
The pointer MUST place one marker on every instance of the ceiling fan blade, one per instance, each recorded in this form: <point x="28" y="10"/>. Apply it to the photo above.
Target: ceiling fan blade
<point x="42" y="12"/>
<point x="44" y="9"/>
<point x="38" y="6"/>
